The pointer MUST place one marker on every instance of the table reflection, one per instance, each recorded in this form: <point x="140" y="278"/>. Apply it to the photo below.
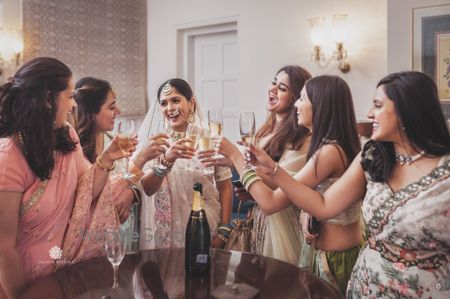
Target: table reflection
<point x="160" y="274"/>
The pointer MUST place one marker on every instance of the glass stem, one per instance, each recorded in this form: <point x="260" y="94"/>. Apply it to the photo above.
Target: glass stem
<point x="116" y="270"/>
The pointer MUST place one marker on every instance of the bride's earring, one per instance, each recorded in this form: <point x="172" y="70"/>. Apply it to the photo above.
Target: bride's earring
<point x="191" y="118"/>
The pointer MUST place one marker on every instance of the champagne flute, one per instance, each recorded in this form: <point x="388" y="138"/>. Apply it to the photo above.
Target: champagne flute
<point x="193" y="134"/>
<point x="115" y="250"/>
<point x="215" y="121"/>
<point x="163" y="127"/>
<point x="205" y="143"/>
<point x="247" y="129"/>
<point x="126" y="131"/>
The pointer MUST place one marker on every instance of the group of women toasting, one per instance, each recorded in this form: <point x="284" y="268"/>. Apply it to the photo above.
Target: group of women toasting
<point x="59" y="180"/>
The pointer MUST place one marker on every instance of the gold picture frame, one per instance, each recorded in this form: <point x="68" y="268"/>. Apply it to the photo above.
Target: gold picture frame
<point x="431" y="45"/>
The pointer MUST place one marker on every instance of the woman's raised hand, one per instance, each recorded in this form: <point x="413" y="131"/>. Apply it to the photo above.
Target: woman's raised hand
<point x="115" y="152"/>
<point x="209" y="158"/>
<point x="155" y="146"/>
<point x="261" y="160"/>
<point x="180" y="149"/>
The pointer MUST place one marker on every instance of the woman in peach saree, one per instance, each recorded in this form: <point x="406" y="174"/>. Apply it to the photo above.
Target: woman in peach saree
<point x="54" y="205"/>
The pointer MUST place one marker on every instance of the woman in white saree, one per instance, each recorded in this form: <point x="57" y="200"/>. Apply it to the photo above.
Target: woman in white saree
<point x="168" y="181"/>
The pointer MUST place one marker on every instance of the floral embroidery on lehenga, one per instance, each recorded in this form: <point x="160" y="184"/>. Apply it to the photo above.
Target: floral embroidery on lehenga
<point x="408" y="250"/>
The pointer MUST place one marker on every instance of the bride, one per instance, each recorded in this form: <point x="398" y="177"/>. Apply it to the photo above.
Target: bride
<point x="168" y="181"/>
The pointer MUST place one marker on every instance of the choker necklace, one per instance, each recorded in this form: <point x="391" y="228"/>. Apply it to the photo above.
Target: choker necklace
<point x="407" y="159"/>
<point x="175" y="135"/>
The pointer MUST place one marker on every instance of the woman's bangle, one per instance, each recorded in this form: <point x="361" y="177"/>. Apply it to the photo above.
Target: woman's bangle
<point x="160" y="172"/>
<point x="102" y="165"/>
<point x="221" y="237"/>
<point x="165" y="163"/>
<point x="274" y="172"/>
<point x="137" y="173"/>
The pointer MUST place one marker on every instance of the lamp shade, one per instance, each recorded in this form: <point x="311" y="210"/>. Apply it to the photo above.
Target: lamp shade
<point x="316" y="31"/>
<point x="339" y="27"/>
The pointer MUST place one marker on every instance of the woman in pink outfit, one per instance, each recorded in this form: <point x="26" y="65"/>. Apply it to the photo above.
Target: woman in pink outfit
<point x="54" y="205"/>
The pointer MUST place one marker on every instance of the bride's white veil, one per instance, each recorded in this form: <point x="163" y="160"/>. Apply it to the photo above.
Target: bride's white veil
<point x="150" y="123"/>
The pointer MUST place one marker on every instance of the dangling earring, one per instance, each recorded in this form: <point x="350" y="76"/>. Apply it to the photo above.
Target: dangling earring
<point x="191" y="117"/>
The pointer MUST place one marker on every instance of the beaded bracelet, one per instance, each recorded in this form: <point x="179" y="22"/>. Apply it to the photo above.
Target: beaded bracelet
<point x="165" y="163"/>
<point x="103" y="167"/>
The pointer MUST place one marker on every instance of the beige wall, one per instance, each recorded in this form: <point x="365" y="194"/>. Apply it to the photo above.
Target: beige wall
<point x="273" y="33"/>
<point x="399" y="18"/>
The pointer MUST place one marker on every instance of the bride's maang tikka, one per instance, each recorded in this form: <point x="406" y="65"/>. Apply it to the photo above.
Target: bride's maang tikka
<point x="167" y="88"/>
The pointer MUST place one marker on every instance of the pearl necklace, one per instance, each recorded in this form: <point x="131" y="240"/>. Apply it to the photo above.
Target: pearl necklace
<point x="407" y="159"/>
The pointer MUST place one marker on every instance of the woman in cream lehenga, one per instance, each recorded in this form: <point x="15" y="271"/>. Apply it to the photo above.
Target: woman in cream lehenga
<point x="168" y="181"/>
<point x="278" y="235"/>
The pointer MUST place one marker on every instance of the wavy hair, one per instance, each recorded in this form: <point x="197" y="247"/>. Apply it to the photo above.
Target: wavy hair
<point x="90" y="94"/>
<point x="28" y="105"/>
<point x="288" y="134"/>
<point x="419" y="111"/>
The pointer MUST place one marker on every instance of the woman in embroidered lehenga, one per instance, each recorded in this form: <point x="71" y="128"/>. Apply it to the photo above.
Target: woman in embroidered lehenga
<point x="325" y="107"/>
<point x="277" y="235"/>
<point x="47" y="187"/>
<point x="97" y="109"/>
<point x="168" y="184"/>
<point x="403" y="173"/>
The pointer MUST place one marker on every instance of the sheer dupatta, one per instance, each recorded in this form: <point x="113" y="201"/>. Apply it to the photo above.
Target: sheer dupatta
<point x="84" y="237"/>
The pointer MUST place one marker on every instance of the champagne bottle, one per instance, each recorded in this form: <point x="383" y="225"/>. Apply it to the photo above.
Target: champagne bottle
<point x="198" y="236"/>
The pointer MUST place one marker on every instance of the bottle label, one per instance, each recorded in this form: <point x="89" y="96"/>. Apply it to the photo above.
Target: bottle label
<point x="202" y="259"/>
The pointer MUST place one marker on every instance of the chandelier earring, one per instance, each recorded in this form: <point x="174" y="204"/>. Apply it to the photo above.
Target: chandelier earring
<point x="191" y="118"/>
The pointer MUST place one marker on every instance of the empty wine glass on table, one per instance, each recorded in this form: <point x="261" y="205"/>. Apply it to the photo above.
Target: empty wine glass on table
<point x="247" y="129"/>
<point x="115" y="250"/>
<point x="215" y="121"/>
<point x="205" y="143"/>
<point x="126" y="130"/>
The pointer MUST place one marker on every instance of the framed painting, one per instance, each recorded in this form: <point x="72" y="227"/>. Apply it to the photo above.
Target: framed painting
<point x="431" y="46"/>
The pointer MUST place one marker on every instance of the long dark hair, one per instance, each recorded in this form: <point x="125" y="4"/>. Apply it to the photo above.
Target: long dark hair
<point x="333" y="115"/>
<point x="90" y="94"/>
<point x="28" y="105"/>
<point x="417" y="105"/>
<point x="288" y="133"/>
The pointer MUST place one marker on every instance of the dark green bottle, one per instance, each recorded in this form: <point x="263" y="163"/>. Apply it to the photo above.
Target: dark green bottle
<point x="198" y="236"/>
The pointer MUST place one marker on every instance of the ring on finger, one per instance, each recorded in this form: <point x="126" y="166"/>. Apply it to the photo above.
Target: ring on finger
<point x="180" y="152"/>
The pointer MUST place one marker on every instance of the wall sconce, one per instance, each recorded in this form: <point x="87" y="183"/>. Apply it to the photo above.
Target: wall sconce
<point x="11" y="47"/>
<point x="337" y="32"/>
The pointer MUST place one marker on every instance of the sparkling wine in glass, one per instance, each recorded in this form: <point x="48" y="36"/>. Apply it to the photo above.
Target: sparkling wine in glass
<point x="205" y="143"/>
<point x="193" y="134"/>
<point x="215" y="121"/>
<point x="115" y="250"/>
<point x="126" y="132"/>
<point x="163" y="127"/>
<point x="247" y="129"/>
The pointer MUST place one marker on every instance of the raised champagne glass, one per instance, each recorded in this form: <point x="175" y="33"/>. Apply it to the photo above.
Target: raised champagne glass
<point x="126" y="130"/>
<point x="193" y="134"/>
<point x="215" y="121"/>
<point x="247" y="129"/>
<point x="205" y="143"/>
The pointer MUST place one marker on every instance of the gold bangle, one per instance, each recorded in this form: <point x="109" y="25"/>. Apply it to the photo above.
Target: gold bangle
<point x="102" y="166"/>
<point x="274" y="172"/>
<point x="132" y="168"/>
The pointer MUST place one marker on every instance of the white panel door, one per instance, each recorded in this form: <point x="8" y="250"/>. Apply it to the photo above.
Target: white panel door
<point x="216" y="79"/>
